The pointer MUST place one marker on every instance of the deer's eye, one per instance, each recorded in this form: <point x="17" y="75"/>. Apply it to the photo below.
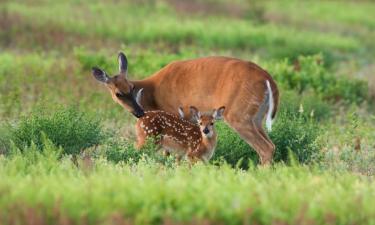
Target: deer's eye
<point x="120" y="94"/>
<point x="200" y="123"/>
<point x="212" y="124"/>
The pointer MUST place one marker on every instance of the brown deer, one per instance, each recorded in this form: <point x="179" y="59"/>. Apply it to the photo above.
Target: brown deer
<point x="249" y="93"/>
<point x="178" y="135"/>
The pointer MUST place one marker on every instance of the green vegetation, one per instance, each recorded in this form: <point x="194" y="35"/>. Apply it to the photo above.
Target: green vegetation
<point x="68" y="128"/>
<point x="146" y="193"/>
<point x="67" y="151"/>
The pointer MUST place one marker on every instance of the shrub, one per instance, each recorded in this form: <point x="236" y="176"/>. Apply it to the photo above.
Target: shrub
<point x="297" y="134"/>
<point x="306" y="105"/>
<point x="68" y="128"/>
<point x="121" y="151"/>
<point x="309" y="73"/>
<point x="30" y="156"/>
<point x="292" y="131"/>
<point x="88" y="60"/>
<point x="124" y="151"/>
<point x="4" y="138"/>
<point x="232" y="149"/>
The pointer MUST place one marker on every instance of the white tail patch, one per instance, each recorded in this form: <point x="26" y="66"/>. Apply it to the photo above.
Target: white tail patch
<point x="270" y="106"/>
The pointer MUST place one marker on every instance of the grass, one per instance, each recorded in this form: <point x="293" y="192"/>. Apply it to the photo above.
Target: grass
<point x="148" y="193"/>
<point x="107" y="21"/>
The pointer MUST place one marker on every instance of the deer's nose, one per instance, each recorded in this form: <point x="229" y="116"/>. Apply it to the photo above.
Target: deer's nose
<point x="206" y="130"/>
<point x="139" y="113"/>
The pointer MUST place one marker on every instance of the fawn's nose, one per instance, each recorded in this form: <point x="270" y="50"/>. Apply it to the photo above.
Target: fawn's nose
<point x="206" y="130"/>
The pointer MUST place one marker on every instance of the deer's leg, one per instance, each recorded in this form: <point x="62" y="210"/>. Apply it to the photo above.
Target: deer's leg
<point x="258" y="121"/>
<point x="266" y="137"/>
<point x="166" y="153"/>
<point x="251" y="134"/>
<point x="140" y="142"/>
<point x="141" y="137"/>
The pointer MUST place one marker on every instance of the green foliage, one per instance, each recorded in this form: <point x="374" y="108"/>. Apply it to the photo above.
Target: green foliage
<point x="347" y="158"/>
<point x="88" y="60"/>
<point x="19" y="76"/>
<point x="352" y="148"/>
<point x="161" y="24"/>
<point x="292" y="131"/>
<point x="4" y="138"/>
<point x="232" y="149"/>
<point x="296" y="134"/>
<point x="148" y="193"/>
<point x="65" y="127"/>
<point x="308" y="72"/>
<point x="125" y="151"/>
<point x="306" y="105"/>
<point x="31" y="158"/>
<point x="121" y="151"/>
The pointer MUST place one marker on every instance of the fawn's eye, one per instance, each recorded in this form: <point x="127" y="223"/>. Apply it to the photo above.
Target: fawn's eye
<point x="212" y="124"/>
<point x="200" y="123"/>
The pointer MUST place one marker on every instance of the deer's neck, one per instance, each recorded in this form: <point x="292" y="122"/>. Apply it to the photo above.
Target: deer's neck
<point x="148" y="99"/>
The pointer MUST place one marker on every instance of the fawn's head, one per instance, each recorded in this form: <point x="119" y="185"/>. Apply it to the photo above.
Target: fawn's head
<point x="206" y="121"/>
<point x="122" y="90"/>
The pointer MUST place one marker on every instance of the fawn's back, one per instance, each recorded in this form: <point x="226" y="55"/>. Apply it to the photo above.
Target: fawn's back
<point x="171" y="131"/>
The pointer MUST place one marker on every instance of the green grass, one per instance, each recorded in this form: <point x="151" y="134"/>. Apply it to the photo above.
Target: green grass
<point x="108" y="21"/>
<point x="149" y="193"/>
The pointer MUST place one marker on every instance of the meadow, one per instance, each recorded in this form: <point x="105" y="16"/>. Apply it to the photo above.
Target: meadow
<point x="66" y="149"/>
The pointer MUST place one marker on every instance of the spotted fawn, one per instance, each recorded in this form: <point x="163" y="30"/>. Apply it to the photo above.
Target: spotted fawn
<point x="179" y="136"/>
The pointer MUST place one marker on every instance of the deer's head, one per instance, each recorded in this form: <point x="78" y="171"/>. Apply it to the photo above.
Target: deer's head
<point x="206" y="121"/>
<point x="121" y="89"/>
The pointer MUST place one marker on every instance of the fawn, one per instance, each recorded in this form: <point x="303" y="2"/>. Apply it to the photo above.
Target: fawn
<point x="178" y="135"/>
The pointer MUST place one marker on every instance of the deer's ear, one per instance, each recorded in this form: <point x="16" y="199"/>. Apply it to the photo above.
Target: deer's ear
<point x="123" y="64"/>
<point x="195" y="114"/>
<point x="218" y="113"/>
<point x="138" y="97"/>
<point x="100" y="75"/>
<point x="181" y="112"/>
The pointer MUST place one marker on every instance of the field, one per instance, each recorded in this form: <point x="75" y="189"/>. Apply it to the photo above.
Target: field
<point x="66" y="149"/>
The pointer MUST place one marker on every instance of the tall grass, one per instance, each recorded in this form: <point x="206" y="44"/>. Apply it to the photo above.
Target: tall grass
<point x="52" y="190"/>
<point x="161" y="24"/>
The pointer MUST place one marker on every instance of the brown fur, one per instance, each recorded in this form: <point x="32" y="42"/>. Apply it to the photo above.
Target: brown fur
<point x="208" y="83"/>
<point x="176" y="134"/>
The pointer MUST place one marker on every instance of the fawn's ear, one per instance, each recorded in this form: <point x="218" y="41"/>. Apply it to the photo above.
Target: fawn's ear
<point x="100" y="75"/>
<point x="138" y="97"/>
<point x="218" y="113"/>
<point x="195" y="114"/>
<point x="181" y="112"/>
<point x="123" y="64"/>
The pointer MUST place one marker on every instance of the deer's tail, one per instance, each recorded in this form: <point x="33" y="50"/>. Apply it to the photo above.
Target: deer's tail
<point x="271" y="106"/>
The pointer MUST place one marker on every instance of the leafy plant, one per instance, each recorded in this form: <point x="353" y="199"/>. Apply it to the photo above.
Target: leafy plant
<point x="65" y="127"/>
<point x="309" y="73"/>
<point x="124" y="151"/>
<point x="295" y="129"/>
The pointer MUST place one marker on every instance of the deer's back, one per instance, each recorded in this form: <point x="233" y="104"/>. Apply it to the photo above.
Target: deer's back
<point x="209" y="83"/>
